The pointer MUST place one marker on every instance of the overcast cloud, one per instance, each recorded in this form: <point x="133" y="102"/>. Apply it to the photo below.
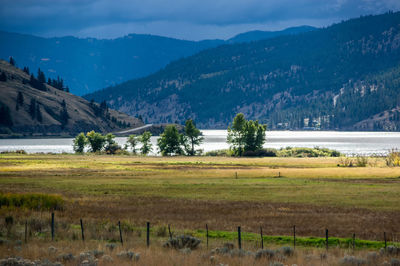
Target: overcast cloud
<point x="184" y="19"/>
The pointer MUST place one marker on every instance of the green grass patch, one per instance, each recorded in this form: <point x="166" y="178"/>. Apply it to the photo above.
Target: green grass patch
<point x="31" y="201"/>
<point x="300" y="241"/>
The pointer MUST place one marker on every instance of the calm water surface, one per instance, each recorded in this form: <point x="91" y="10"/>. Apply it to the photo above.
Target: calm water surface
<point x="346" y="142"/>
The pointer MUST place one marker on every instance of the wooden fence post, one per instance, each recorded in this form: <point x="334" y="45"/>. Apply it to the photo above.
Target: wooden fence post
<point x="294" y="236"/>
<point x="82" y="233"/>
<point x="207" y="234"/>
<point x="52" y="226"/>
<point x="169" y="230"/>
<point x="26" y="231"/>
<point x="148" y="234"/>
<point x="384" y="236"/>
<point x="354" y="240"/>
<point x="262" y="238"/>
<point x="239" y="237"/>
<point x="327" y="239"/>
<point x="120" y="232"/>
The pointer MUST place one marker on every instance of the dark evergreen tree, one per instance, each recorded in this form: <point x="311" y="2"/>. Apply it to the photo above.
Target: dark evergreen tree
<point x="41" y="77"/>
<point x="5" y="116"/>
<point x="12" y="61"/>
<point x="26" y="70"/>
<point x="20" y="100"/>
<point x="3" y="77"/>
<point x="32" y="108"/>
<point x="38" y="113"/>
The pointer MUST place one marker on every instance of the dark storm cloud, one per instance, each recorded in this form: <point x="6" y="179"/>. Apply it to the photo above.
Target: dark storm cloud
<point x="190" y="19"/>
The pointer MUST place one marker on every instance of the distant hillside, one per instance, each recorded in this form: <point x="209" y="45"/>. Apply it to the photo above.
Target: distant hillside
<point x="27" y="111"/>
<point x="92" y="64"/>
<point x="345" y="76"/>
<point x="258" y="35"/>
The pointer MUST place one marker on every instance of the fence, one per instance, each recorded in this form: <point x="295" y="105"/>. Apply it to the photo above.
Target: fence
<point x="292" y="239"/>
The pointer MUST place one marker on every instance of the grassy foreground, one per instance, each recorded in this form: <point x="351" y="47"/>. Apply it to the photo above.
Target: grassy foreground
<point x="189" y="192"/>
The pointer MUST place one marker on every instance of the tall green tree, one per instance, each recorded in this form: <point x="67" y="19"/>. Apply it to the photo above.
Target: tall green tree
<point x="133" y="141"/>
<point x="192" y="137"/>
<point x="245" y="136"/>
<point x="146" y="144"/>
<point x="170" y="141"/>
<point x="236" y="134"/>
<point x="79" y="143"/>
<point x="95" y="140"/>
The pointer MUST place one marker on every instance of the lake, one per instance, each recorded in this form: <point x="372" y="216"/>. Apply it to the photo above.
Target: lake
<point x="351" y="143"/>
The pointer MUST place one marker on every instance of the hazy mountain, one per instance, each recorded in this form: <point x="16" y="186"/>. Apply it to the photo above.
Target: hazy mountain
<point x="345" y="76"/>
<point x="25" y="110"/>
<point x="92" y="64"/>
<point x="258" y="35"/>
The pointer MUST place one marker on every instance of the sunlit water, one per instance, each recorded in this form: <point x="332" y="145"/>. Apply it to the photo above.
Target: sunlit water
<point x="351" y="143"/>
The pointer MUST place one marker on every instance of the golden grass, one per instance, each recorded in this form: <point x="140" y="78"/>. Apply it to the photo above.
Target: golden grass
<point x="313" y="193"/>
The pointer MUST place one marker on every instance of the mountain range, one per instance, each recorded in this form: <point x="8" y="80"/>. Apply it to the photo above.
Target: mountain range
<point x="345" y="76"/>
<point x="91" y="64"/>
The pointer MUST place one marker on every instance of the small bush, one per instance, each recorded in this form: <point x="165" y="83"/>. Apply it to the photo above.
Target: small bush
<point x="183" y="241"/>
<point x="225" y="152"/>
<point x="352" y="261"/>
<point x="260" y="153"/>
<point x="307" y="152"/>
<point x="362" y="161"/>
<point x="393" y="158"/>
<point x="32" y="201"/>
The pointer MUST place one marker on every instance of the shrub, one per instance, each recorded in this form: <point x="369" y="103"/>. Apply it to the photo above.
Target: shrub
<point x="307" y="152"/>
<point x="225" y="152"/>
<point x="111" y="146"/>
<point x="261" y="153"/>
<point x="32" y="201"/>
<point x="352" y="261"/>
<point x="393" y="158"/>
<point x="182" y="241"/>
<point x="362" y="161"/>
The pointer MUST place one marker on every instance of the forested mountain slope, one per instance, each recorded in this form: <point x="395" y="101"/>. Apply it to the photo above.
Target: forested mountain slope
<point x="345" y="76"/>
<point x="36" y="109"/>
<point x="91" y="64"/>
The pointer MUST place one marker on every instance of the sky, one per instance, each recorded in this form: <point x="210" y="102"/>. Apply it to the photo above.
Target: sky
<point x="182" y="19"/>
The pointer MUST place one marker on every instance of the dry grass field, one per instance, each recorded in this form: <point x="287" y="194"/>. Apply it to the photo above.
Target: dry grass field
<point x="189" y="192"/>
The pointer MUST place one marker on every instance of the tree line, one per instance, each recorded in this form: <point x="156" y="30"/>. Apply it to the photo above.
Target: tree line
<point x="245" y="137"/>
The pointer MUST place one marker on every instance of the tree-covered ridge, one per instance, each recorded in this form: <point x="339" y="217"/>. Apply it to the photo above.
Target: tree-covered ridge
<point x="286" y="82"/>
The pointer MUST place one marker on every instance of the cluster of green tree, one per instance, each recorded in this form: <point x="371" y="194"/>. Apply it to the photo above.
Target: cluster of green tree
<point x="96" y="142"/>
<point x="287" y="82"/>
<point x="39" y="82"/>
<point x="5" y="116"/>
<point x="171" y="142"/>
<point x="34" y="110"/>
<point x="102" y="110"/>
<point x="58" y="84"/>
<point x="246" y="136"/>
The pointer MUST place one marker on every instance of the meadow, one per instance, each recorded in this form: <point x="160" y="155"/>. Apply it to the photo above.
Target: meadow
<point x="188" y="192"/>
